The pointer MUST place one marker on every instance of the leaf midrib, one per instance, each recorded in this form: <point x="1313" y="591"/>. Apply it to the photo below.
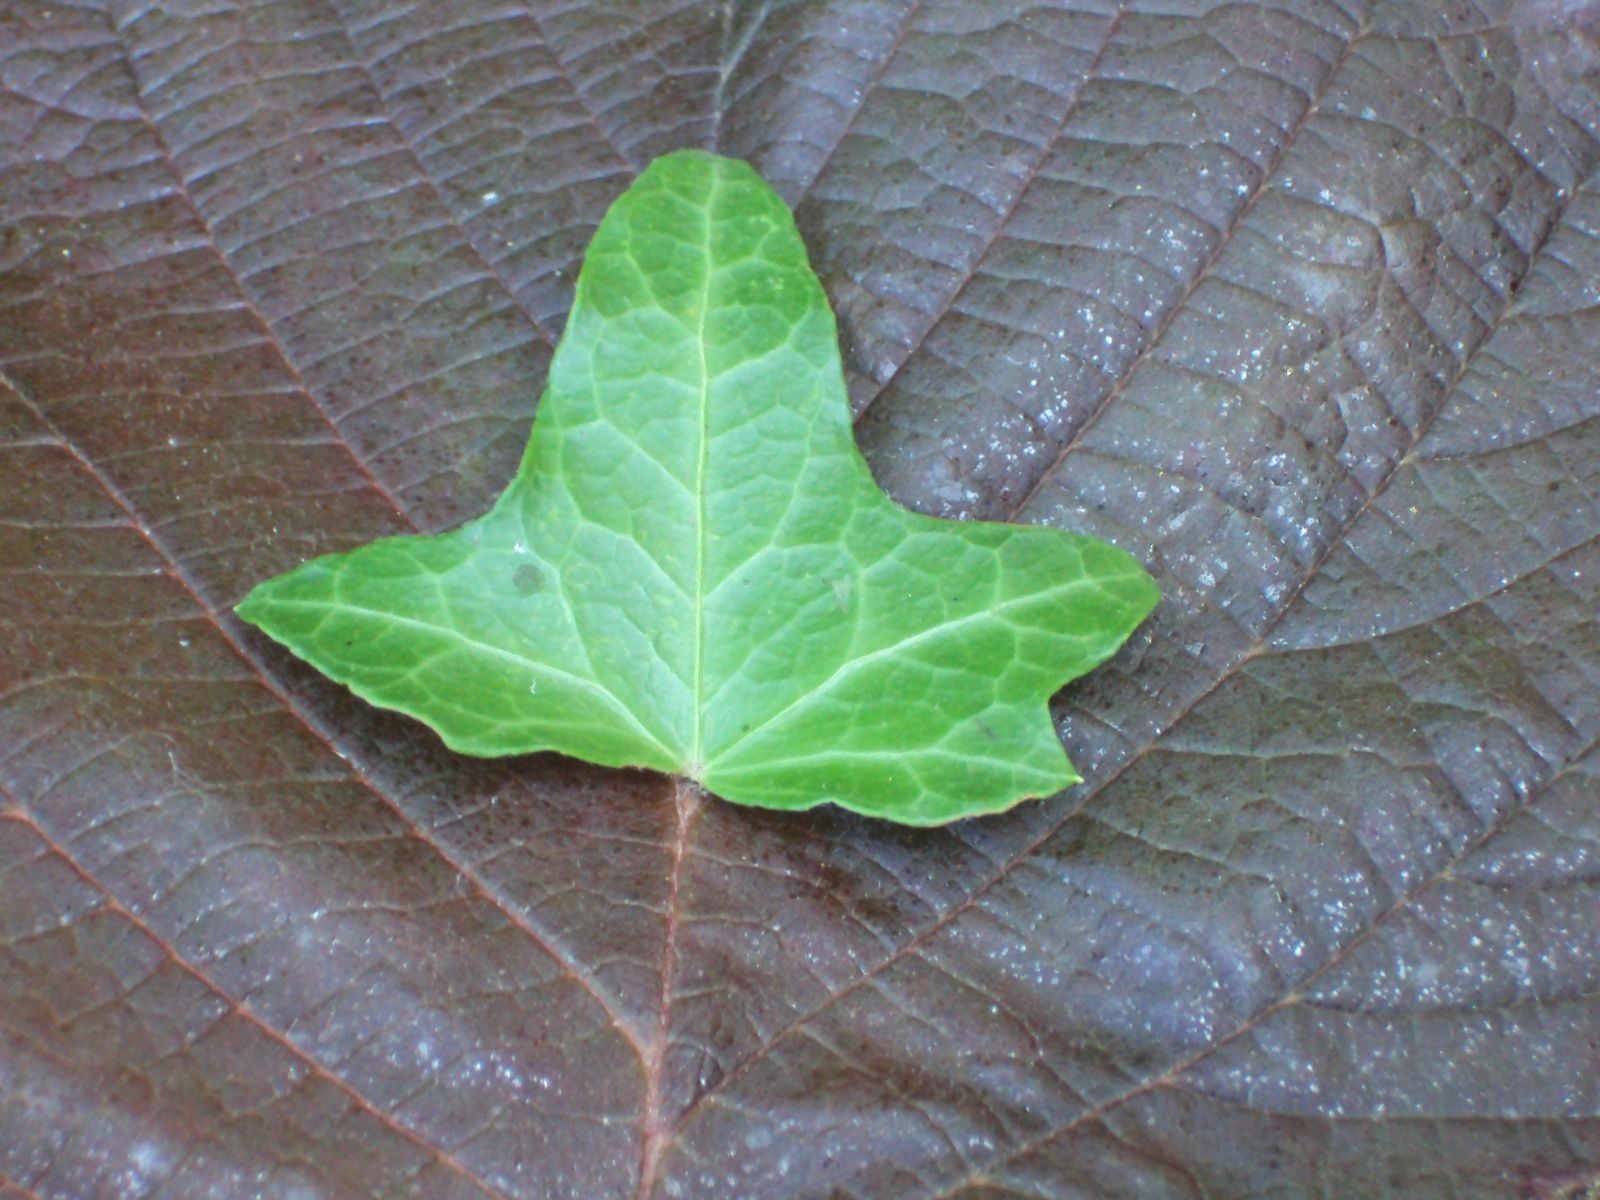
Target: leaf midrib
<point x="694" y="767"/>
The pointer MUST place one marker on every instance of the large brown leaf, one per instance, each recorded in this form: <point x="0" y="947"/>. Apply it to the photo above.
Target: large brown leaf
<point x="1297" y="301"/>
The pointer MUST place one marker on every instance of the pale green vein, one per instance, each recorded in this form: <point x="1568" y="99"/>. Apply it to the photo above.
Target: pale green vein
<point x="846" y="669"/>
<point x="961" y="757"/>
<point x="695" y="751"/>
<point x="472" y="643"/>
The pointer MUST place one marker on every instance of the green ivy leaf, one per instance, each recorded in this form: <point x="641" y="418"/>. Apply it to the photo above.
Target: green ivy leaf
<point x="694" y="571"/>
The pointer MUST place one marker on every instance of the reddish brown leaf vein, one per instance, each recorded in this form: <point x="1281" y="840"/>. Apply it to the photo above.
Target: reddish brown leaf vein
<point x="17" y="812"/>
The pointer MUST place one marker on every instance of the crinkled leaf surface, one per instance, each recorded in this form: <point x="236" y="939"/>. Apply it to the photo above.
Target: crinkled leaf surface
<point x="1295" y="301"/>
<point x="694" y="570"/>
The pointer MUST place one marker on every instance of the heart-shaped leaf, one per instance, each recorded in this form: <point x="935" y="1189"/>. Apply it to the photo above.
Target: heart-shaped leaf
<point x="694" y="570"/>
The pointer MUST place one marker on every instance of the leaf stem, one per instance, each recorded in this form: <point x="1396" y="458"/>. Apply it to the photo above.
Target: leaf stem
<point x="656" y="1132"/>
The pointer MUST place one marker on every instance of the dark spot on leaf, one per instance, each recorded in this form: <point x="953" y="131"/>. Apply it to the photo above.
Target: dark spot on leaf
<point x="527" y="579"/>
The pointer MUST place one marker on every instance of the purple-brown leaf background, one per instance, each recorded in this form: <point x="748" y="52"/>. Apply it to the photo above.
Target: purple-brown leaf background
<point x="1298" y="301"/>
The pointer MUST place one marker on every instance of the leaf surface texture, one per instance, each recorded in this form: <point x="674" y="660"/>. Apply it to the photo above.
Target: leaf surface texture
<point x="1294" y="302"/>
<point x="694" y="571"/>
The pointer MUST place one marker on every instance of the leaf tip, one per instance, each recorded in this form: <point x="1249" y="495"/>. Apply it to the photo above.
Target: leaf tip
<point x="248" y="610"/>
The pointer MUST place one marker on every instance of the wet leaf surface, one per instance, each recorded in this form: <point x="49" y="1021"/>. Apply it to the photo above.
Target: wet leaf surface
<point x="1296" y="303"/>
